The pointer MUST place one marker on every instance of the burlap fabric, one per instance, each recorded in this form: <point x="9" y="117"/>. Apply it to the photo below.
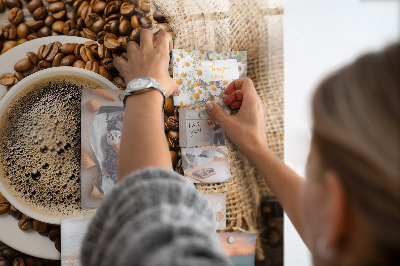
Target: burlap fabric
<point x="255" y="26"/>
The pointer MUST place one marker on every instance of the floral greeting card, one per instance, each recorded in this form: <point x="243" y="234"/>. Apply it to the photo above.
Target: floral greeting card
<point x="204" y="75"/>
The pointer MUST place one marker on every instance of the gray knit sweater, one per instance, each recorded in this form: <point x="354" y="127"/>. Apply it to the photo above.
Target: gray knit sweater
<point x="154" y="217"/>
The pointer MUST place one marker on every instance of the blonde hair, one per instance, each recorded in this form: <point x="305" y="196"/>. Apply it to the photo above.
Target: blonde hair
<point x="356" y="114"/>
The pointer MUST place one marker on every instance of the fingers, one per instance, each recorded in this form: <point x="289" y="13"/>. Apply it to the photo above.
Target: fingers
<point x="119" y="63"/>
<point x="234" y="97"/>
<point x="132" y="47"/>
<point x="245" y="85"/>
<point x="163" y="42"/>
<point x="146" y="40"/>
<point x="217" y="112"/>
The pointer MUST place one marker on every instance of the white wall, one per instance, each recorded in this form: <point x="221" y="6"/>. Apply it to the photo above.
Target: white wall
<point x="320" y="36"/>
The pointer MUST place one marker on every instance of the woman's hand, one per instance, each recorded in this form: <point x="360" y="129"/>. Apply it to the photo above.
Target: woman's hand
<point x="247" y="128"/>
<point x="150" y="59"/>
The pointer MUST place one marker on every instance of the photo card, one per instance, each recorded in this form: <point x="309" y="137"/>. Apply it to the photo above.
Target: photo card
<point x="197" y="128"/>
<point x="204" y="75"/>
<point x="72" y="234"/>
<point x="218" y="201"/>
<point x="240" y="248"/>
<point x="206" y="165"/>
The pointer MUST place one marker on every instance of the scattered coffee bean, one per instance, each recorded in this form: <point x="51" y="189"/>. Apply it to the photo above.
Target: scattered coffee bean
<point x="54" y="234"/>
<point x="24" y="224"/>
<point x="44" y="32"/>
<point x="92" y="66"/>
<point x="10" y="32"/>
<point x="18" y="262"/>
<point x="15" y="15"/>
<point x="99" y="6"/>
<point x="40" y="13"/>
<point x="23" y="30"/>
<point x="33" y="57"/>
<point x="13" y="3"/>
<point x="4" y="262"/>
<point x="79" y="63"/>
<point x="34" y="4"/>
<point x="36" y="25"/>
<point x="23" y="65"/>
<point x="8" y="45"/>
<point x="56" y="7"/>
<point x="39" y="226"/>
<point x="2" y="6"/>
<point x="145" y="22"/>
<point x="68" y="60"/>
<point x="135" y="35"/>
<point x="10" y="253"/>
<point x="60" y="15"/>
<point x="58" y="26"/>
<point x="7" y="79"/>
<point x="57" y="60"/>
<point x="19" y="76"/>
<point x="144" y="5"/>
<point x="49" y="20"/>
<point x="159" y="17"/>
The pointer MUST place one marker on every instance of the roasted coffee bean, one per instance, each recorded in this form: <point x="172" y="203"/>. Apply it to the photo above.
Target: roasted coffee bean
<point x="10" y="32"/>
<point x="15" y="15"/>
<point x="79" y="24"/>
<point x="58" y="26"/>
<point x="98" y="25"/>
<point x="53" y="52"/>
<point x="33" y="57"/>
<point x="77" y="51"/>
<point x="174" y="135"/>
<point x="32" y="261"/>
<point x="4" y="262"/>
<point x="74" y="32"/>
<point x="7" y="79"/>
<point x="144" y="5"/>
<point x="139" y="13"/>
<point x="8" y="45"/>
<point x="135" y="35"/>
<point x="158" y="16"/>
<point x="164" y="27"/>
<point x="49" y="20"/>
<point x="26" y="217"/>
<point x="10" y="253"/>
<point x="92" y="66"/>
<point x="67" y="48"/>
<point x="100" y="37"/>
<point x="43" y="32"/>
<point x="79" y="63"/>
<point x="124" y="40"/>
<point x="111" y="43"/>
<point x="4" y="206"/>
<point x="60" y="15"/>
<point x="18" y="262"/>
<point x="57" y="244"/>
<point x="40" y="13"/>
<point x="135" y="23"/>
<point x="111" y="8"/>
<point x="174" y="157"/>
<point x="34" y="4"/>
<point x="125" y="27"/>
<point x="69" y="25"/>
<point x="56" y="7"/>
<point x="99" y="6"/>
<point x="274" y="237"/>
<point x="23" y="65"/>
<point x="68" y="60"/>
<point x="2" y="6"/>
<point x="86" y="54"/>
<point x="113" y="17"/>
<point x="24" y="224"/>
<point x="40" y="51"/>
<point x="88" y="34"/>
<point x="43" y="64"/>
<point x="103" y="52"/>
<point x="77" y="4"/>
<point x="107" y="63"/>
<point x="54" y="234"/>
<point x="71" y="15"/>
<point x="170" y="141"/>
<point x="82" y="6"/>
<point x="13" y="3"/>
<point x="39" y="226"/>
<point x="36" y="25"/>
<point x="1" y="31"/>
<point x="57" y="60"/>
<point x="22" y="30"/>
<point x="127" y="9"/>
<point x="31" y="37"/>
<point x="19" y="76"/>
<point x="105" y="73"/>
<point x="114" y="26"/>
<point x="145" y="22"/>
<point x="47" y="50"/>
<point x="173" y="122"/>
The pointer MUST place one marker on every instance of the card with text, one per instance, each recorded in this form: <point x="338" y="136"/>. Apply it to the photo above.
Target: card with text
<point x="203" y="75"/>
<point x="218" y="201"/>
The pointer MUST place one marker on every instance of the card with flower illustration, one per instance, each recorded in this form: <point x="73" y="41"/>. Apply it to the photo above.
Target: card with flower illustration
<point x="204" y="75"/>
<point x="218" y="201"/>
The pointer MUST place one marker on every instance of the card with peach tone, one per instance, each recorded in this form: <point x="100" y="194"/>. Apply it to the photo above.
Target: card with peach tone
<point x="204" y="75"/>
<point x="240" y="248"/>
<point x="218" y="201"/>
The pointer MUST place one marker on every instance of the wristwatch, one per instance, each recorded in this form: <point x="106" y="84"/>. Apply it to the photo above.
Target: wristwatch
<point x="141" y="85"/>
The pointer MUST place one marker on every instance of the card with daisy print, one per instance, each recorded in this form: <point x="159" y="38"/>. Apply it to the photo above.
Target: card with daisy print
<point x="204" y="75"/>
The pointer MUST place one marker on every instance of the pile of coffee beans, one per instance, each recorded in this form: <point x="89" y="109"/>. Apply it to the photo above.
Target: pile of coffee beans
<point x="110" y="22"/>
<point x="9" y="256"/>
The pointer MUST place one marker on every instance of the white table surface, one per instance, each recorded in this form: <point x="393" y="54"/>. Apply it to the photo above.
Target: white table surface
<point x="320" y="36"/>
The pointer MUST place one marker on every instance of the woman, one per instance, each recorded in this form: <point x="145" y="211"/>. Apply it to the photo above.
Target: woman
<point x="346" y="211"/>
<point x="218" y="131"/>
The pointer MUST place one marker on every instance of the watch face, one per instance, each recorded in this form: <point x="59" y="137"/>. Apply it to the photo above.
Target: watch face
<point x="140" y="83"/>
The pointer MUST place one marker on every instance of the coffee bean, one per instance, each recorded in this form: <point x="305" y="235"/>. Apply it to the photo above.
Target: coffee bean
<point x="4" y="206"/>
<point x="74" y="32"/>
<point x="113" y="17"/>
<point x="53" y="52"/>
<point x="158" y="16"/>
<point x="57" y="244"/>
<point x="49" y="20"/>
<point x="139" y="13"/>
<point x="43" y="64"/>
<point x="32" y="261"/>
<point x="76" y="4"/>
<point x="164" y="27"/>
<point x="8" y="45"/>
<point x="56" y="7"/>
<point x="114" y="26"/>
<point x="15" y="15"/>
<point x="99" y="7"/>
<point x="23" y="65"/>
<point x="33" y="57"/>
<point x="127" y="9"/>
<point x="84" y="5"/>
<point x="26" y="217"/>
<point x="77" y="51"/>
<point x="125" y="27"/>
<point x="40" y="13"/>
<point x="44" y="32"/>
<point x="57" y="60"/>
<point x="92" y="66"/>
<point x="4" y="262"/>
<point x="107" y="63"/>
<point x="274" y="237"/>
<point x="7" y="79"/>
<point x="2" y="6"/>
<point x="79" y="63"/>
<point x="13" y="3"/>
<point x="10" y="253"/>
<point x="144" y="5"/>
<point x="105" y="73"/>
<point x="18" y="262"/>
<point x="58" y="26"/>
<point x="24" y="224"/>
<point x="135" y="35"/>
<point x="10" y="32"/>
<point x="47" y="50"/>
<point x="71" y="15"/>
<point x="40" y="51"/>
<point x="174" y="157"/>
<point x="173" y="122"/>
<point x="111" y="44"/>
<point x="124" y="40"/>
<point x="173" y="135"/>
<point x="98" y="25"/>
<point x="135" y="22"/>
<point x="19" y="76"/>
<point x="23" y="30"/>
<point x="145" y="22"/>
<point x="54" y="234"/>
<point x="68" y="60"/>
<point x="67" y="48"/>
<point x="34" y="4"/>
<point x="39" y="226"/>
<point x="36" y="25"/>
<point x="79" y="23"/>
<point x="111" y="8"/>
<point x="86" y="54"/>
<point x="60" y="15"/>
<point x="68" y="26"/>
<point x="86" y="33"/>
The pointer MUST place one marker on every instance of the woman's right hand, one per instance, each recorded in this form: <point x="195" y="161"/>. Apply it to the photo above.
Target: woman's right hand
<point x="247" y="128"/>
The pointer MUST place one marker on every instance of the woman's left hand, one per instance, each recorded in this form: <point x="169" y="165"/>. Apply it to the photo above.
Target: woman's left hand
<point x="150" y="59"/>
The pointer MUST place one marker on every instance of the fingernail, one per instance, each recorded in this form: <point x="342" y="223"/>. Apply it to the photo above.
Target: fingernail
<point x="179" y="90"/>
<point x="209" y="106"/>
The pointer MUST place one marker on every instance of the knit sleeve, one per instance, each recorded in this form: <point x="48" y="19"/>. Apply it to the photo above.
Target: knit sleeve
<point x="153" y="217"/>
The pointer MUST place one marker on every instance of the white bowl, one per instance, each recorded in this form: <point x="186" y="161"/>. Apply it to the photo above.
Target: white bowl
<point x="10" y="96"/>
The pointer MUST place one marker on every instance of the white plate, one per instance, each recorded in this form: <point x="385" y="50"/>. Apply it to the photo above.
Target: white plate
<point x="31" y="242"/>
